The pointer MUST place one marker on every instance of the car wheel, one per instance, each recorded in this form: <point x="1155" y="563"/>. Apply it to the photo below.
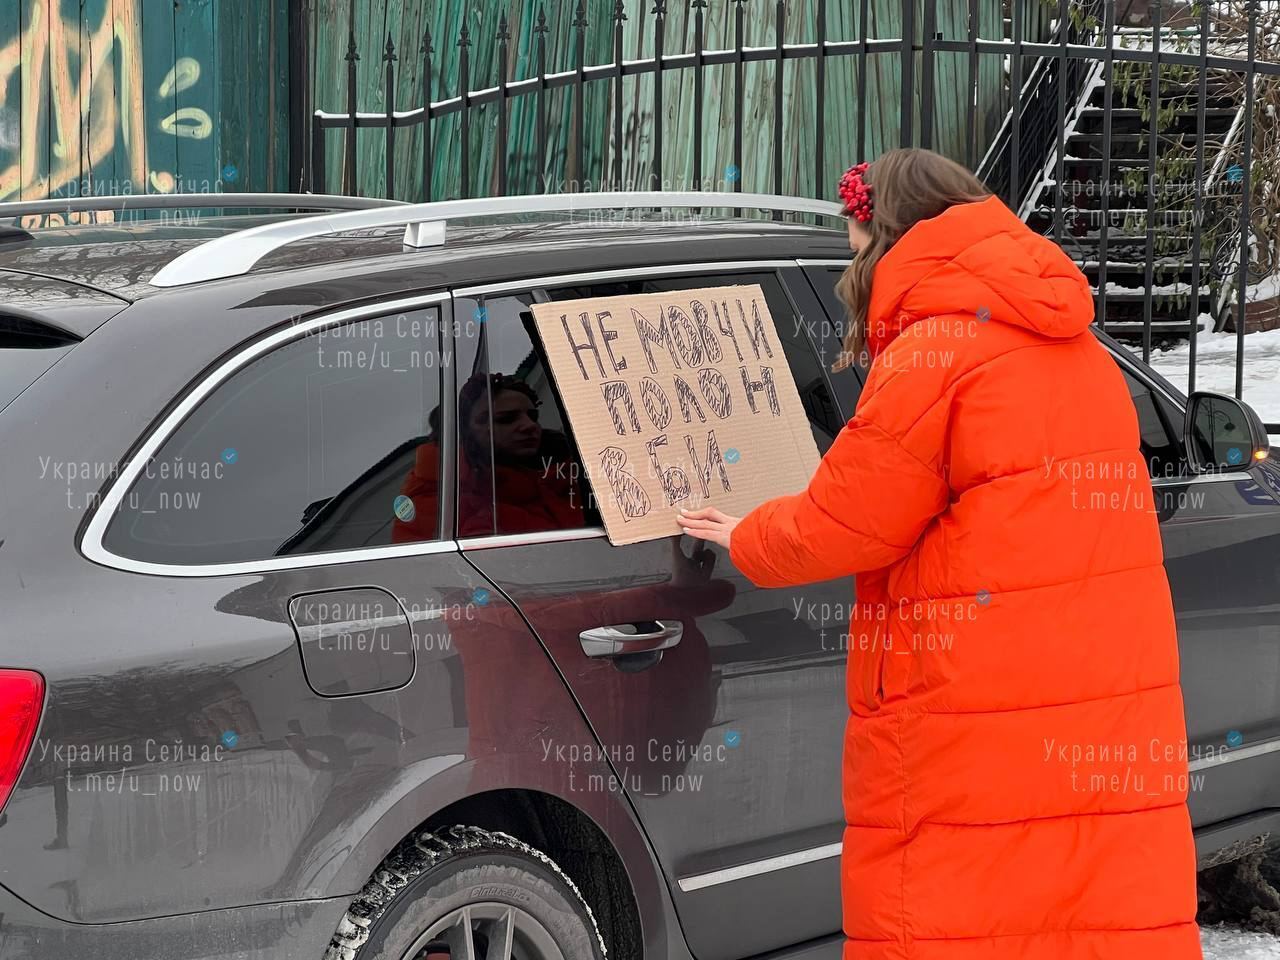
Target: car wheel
<point x="467" y="893"/>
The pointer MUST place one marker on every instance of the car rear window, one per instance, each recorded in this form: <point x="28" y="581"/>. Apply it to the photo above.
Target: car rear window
<point x="27" y="349"/>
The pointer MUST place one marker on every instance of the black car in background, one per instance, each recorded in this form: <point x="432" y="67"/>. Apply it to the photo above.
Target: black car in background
<point x="292" y="668"/>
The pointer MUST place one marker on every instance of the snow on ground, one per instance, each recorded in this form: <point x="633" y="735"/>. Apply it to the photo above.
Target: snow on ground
<point x="1231" y="943"/>
<point x="1216" y="367"/>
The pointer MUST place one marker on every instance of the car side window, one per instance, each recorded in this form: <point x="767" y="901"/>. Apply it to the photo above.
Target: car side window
<point x="328" y="442"/>
<point x="1161" y="442"/>
<point x="517" y="448"/>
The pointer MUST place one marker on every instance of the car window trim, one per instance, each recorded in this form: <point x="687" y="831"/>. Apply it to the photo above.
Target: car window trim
<point x="527" y="284"/>
<point x="91" y="545"/>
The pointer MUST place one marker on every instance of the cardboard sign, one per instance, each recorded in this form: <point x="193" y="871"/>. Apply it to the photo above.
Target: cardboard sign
<point x="680" y="399"/>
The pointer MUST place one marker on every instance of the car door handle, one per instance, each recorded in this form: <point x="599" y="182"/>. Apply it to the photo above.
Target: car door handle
<point x="640" y="636"/>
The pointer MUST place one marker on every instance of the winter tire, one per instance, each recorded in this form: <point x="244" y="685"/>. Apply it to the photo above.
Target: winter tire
<point x="468" y="893"/>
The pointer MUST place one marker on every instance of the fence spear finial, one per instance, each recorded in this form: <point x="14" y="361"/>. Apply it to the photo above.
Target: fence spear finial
<point x="504" y="33"/>
<point x="580" y="16"/>
<point x="390" y="53"/>
<point x="541" y="25"/>
<point x="352" y="53"/>
<point x="619" y="14"/>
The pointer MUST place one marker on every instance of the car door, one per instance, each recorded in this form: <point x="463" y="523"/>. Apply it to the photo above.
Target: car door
<point x="726" y="739"/>
<point x="1221" y="536"/>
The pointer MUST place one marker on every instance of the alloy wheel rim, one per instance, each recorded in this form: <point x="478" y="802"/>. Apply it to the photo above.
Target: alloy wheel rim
<point x="486" y="930"/>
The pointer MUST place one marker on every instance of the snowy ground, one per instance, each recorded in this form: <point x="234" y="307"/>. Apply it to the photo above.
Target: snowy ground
<point x="1228" y="943"/>
<point x="1216" y="368"/>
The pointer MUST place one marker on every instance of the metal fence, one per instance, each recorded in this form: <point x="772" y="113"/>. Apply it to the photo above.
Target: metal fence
<point x="1132" y="139"/>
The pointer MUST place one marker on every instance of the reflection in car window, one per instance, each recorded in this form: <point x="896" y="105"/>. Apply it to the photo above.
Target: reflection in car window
<point x="515" y="446"/>
<point x="1161" y="447"/>
<point x="329" y="442"/>
<point x="535" y="476"/>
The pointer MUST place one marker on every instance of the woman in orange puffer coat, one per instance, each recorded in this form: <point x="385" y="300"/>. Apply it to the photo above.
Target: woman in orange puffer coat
<point x="1015" y="767"/>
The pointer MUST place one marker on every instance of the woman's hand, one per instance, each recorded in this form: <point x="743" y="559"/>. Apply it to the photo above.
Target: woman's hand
<point x="708" y="523"/>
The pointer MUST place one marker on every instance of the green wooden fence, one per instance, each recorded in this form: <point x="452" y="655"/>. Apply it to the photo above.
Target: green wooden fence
<point x="407" y="23"/>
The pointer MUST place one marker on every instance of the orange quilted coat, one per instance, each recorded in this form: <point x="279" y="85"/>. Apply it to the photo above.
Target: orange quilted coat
<point x="1015" y="767"/>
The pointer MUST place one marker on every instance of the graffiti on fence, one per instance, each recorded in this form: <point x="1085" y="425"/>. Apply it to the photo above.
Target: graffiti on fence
<point x="84" y="106"/>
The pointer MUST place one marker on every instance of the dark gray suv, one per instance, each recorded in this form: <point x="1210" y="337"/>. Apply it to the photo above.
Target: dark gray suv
<point x="313" y="645"/>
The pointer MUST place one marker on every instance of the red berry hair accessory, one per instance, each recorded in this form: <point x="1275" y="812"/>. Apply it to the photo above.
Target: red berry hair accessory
<point x="855" y="193"/>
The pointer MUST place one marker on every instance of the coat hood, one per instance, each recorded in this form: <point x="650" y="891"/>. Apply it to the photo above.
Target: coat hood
<point x="977" y="258"/>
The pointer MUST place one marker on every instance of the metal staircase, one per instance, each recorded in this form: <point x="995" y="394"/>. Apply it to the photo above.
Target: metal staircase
<point x="1127" y="213"/>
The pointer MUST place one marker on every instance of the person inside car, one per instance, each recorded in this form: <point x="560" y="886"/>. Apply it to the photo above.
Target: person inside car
<point x="1015" y="762"/>
<point x="530" y="475"/>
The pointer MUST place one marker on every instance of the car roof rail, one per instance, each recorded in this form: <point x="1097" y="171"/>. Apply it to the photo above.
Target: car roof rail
<point x="208" y="201"/>
<point x="236" y="253"/>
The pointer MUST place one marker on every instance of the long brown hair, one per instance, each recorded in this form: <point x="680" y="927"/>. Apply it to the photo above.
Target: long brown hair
<point x="907" y="186"/>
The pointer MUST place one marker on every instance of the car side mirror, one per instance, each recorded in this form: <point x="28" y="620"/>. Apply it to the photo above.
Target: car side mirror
<point x="1222" y="434"/>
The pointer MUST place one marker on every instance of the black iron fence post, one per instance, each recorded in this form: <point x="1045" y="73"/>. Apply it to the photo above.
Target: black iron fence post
<point x="427" y="156"/>
<point x="778" y="83"/>
<point x="659" y="35"/>
<point x="1062" y="65"/>
<point x="540" y="32"/>
<point x="739" y="89"/>
<point x="504" y="40"/>
<point x="905" y="136"/>
<point x="464" y="95"/>
<point x="971" y="96"/>
<point x="1197" y="210"/>
<point x="1246" y="183"/>
<point x="619" y="15"/>
<point x="1015" y="107"/>
<point x="926" y="74"/>
<point x="1108" y="100"/>
<point x="579" y="93"/>
<point x="349" y="185"/>
<point x="389" y="57"/>
<point x="820" y="101"/>
<point x="1153" y="156"/>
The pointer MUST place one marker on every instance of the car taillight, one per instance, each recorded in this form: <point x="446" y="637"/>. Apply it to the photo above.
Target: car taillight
<point x="21" y="696"/>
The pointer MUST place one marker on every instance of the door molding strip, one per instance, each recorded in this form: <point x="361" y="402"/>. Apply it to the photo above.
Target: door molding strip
<point x="1238" y="753"/>
<point x="753" y="869"/>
